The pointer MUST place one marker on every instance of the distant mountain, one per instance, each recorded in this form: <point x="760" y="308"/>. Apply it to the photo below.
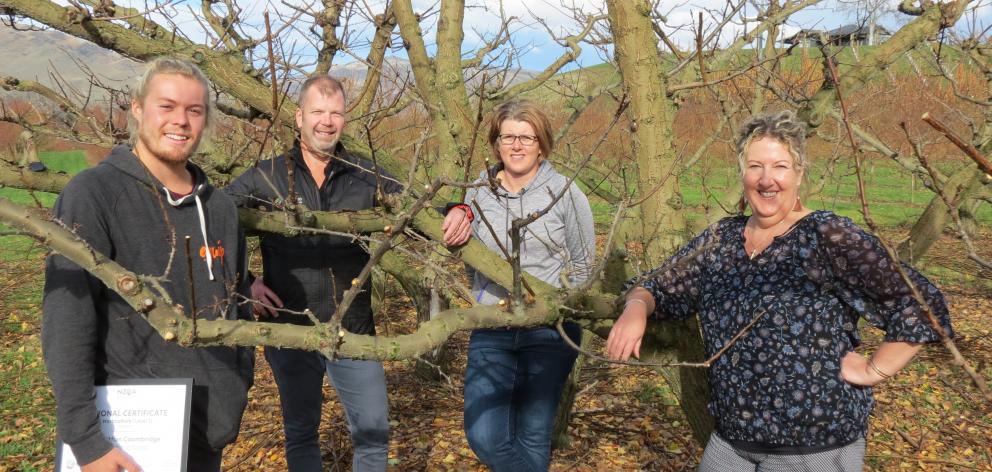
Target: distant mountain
<point x="31" y="55"/>
<point x="396" y="70"/>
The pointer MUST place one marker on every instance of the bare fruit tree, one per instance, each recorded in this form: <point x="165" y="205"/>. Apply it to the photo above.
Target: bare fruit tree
<point x="424" y="123"/>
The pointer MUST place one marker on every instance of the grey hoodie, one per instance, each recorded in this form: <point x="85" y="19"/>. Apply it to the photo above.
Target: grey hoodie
<point x="90" y="335"/>
<point x="560" y="243"/>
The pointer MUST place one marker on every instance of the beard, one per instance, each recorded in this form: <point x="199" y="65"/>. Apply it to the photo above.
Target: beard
<point x="160" y="147"/>
<point x="321" y="146"/>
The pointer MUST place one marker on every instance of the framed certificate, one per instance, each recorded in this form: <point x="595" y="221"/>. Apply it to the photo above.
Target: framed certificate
<point x="146" y="418"/>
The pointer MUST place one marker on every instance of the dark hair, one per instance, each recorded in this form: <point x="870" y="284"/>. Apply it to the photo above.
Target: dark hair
<point x="528" y="112"/>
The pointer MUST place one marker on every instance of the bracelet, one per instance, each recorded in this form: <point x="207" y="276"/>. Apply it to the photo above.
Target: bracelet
<point x="871" y="364"/>
<point x="625" y="305"/>
<point x="468" y="211"/>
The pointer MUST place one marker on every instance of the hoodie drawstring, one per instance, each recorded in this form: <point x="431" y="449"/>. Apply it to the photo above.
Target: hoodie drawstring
<point x="203" y="224"/>
<point x="203" y="231"/>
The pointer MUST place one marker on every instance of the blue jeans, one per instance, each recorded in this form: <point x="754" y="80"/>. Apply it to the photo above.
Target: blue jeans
<point x="361" y="386"/>
<point x="513" y="384"/>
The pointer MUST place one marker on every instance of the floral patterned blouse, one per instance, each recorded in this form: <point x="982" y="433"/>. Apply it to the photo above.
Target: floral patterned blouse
<point x="779" y="387"/>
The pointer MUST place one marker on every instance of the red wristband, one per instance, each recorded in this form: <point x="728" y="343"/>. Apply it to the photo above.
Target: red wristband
<point x="468" y="210"/>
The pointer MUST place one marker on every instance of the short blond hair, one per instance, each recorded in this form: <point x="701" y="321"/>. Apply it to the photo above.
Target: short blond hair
<point x="172" y="65"/>
<point x="325" y="84"/>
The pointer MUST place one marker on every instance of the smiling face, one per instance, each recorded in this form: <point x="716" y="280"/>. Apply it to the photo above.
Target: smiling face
<point x="321" y="120"/>
<point x="170" y="119"/>
<point x="520" y="162"/>
<point x="771" y="179"/>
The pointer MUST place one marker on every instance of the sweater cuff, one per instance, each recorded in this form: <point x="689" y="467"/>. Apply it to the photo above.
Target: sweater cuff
<point x="91" y="448"/>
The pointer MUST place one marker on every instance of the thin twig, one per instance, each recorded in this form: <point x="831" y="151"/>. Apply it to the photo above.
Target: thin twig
<point x="894" y="258"/>
<point x="699" y="50"/>
<point x="489" y="226"/>
<point x="475" y="132"/>
<point x="384" y="245"/>
<point x="499" y="242"/>
<point x="600" y="270"/>
<point x="192" y="285"/>
<point x="518" y="224"/>
<point x="951" y="205"/>
<point x="290" y="177"/>
<point x="968" y="149"/>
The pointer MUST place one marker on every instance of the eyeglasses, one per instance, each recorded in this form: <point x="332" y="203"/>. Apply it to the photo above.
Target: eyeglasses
<point x="525" y="140"/>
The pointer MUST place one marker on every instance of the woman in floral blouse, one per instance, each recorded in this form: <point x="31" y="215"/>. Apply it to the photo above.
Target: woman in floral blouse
<point x="792" y="394"/>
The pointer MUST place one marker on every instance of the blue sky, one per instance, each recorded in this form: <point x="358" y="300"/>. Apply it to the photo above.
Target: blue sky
<point x="537" y="48"/>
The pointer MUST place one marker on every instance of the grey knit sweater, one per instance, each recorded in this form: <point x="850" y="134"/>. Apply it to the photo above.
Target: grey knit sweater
<point x="559" y="246"/>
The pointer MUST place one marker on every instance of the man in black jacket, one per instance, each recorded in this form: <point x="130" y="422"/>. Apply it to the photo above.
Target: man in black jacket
<point x="314" y="271"/>
<point x="138" y="207"/>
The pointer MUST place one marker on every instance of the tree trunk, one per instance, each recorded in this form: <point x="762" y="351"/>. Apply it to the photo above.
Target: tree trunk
<point x="660" y="222"/>
<point x="931" y="223"/>
<point x="435" y="363"/>
<point x="690" y="385"/>
<point x="559" y="438"/>
<point x="967" y="213"/>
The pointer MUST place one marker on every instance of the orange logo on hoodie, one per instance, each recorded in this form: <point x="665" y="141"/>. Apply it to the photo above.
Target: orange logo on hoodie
<point x="216" y="252"/>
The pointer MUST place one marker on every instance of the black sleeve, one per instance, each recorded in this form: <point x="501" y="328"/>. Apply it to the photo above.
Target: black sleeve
<point x="70" y="322"/>
<point x="245" y="277"/>
<point x="243" y="188"/>
<point x="675" y="285"/>
<point x="868" y="281"/>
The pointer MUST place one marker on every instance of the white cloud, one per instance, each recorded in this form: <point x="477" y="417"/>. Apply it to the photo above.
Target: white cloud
<point x="482" y="21"/>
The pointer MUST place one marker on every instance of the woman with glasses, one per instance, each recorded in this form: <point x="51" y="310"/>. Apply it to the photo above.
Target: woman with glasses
<point x="515" y="376"/>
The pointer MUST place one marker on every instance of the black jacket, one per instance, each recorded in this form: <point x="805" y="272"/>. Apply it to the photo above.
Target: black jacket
<point x="314" y="270"/>
<point x="90" y="335"/>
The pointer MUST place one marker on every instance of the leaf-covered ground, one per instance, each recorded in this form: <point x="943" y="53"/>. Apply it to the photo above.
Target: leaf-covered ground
<point x="929" y="417"/>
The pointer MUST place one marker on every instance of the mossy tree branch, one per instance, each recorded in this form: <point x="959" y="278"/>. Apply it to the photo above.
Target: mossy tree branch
<point x="227" y="69"/>
<point x="172" y="324"/>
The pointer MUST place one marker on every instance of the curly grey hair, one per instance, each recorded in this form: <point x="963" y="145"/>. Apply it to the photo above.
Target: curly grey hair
<point x="782" y="126"/>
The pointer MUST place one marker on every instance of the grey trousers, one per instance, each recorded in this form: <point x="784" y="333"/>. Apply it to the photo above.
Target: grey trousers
<point x="361" y="387"/>
<point x="721" y="456"/>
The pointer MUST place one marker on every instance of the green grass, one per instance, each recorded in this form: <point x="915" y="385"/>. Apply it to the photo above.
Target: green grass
<point x="26" y="400"/>
<point x="27" y="434"/>
<point x="18" y="247"/>
<point x="913" y="64"/>
<point x="895" y="198"/>
<point x="70" y="162"/>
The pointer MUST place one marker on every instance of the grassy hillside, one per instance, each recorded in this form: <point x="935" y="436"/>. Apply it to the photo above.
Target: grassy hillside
<point x="799" y="61"/>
